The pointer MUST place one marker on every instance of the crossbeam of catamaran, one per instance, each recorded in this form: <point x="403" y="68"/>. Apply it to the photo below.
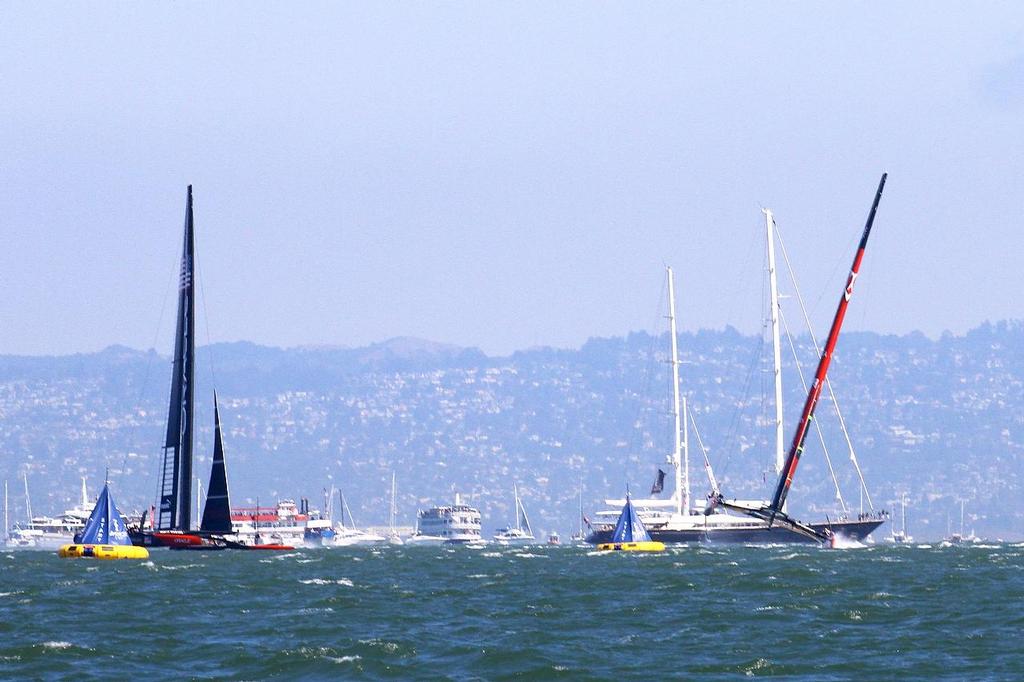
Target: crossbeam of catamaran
<point x="774" y="512"/>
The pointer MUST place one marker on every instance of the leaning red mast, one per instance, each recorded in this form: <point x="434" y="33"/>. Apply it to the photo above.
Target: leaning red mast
<point x="797" y="447"/>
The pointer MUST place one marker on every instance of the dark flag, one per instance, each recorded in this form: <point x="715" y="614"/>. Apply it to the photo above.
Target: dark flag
<point x="659" y="485"/>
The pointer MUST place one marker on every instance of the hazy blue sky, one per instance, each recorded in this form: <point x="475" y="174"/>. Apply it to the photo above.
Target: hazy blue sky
<point x="501" y="175"/>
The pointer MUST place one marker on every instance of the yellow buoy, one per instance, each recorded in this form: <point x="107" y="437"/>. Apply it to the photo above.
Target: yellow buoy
<point x="648" y="546"/>
<point x="105" y="535"/>
<point x="629" y="534"/>
<point x="103" y="552"/>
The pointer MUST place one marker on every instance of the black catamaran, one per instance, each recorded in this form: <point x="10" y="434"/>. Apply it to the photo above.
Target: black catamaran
<point x="175" y="509"/>
<point x="173" y="522"/>
<point x="774" y="513"/>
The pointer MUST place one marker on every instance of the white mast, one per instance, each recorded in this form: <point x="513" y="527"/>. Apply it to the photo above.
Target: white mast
<point x="515" y="495"/>
<point x="780" y="454"/>
<point x="85" y="495"/>
<point x="199" y="495"/>
<point x="7" y="523"/>
<point x="579" y="519"/>
<point x="28" y="500"/>
<point x="680" y="458"/>
<point x="391" y="520"/>
<point x="904" y="514"/>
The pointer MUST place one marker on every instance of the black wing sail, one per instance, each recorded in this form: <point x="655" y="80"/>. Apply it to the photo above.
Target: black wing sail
<point x="176" y="475"/>
<point x="217" y="511"/>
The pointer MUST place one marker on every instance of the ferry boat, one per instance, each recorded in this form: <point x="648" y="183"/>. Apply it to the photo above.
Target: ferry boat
<point x="284" y="524"/>
<point x="449" y="524"/>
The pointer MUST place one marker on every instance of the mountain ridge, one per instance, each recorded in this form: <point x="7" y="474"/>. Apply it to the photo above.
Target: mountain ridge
<point x="939" y="419"/>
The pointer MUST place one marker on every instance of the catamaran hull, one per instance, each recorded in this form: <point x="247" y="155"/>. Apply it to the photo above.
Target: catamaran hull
<point x="159" y="539"/>
<point x="851" y="530"/>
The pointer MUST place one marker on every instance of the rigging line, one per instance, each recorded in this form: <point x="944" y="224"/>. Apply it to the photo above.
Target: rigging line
<point x="704" y="451"/>
<point x="149" y="365"/>
<point x="642" y="418"/>
<point x="838" y="263"/>
<point x="145" y="377"/>
<point x="206" y="313"/>
<point x="828" y="382"/>
<point x="732" y="433"/>
<point x="817" y="425"/>
<point x="742" y="285"/>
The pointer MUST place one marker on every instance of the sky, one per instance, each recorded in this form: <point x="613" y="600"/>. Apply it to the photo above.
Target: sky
<point x="501" y="175"/>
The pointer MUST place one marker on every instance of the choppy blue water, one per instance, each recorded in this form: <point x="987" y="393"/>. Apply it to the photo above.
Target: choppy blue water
<point x="495" y="613"/>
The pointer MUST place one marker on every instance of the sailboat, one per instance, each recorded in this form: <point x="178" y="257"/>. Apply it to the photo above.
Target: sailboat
<point x="105" y="535"/>
<point x="347" y="534"/>
<point x="675" y="520"/>
<point x="521" y="533"/>
<point x="774" y="513"/>
<point x="960" y="538"/>
<point x="578" y="536"/>
<point x="172" y="526"/>
<point x="393" y="537"/>
<point x="630" y="535"/>
<point x="900" y="536"/>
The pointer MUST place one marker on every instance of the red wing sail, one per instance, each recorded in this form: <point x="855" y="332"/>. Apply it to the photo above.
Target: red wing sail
<point x="797" y="447"/>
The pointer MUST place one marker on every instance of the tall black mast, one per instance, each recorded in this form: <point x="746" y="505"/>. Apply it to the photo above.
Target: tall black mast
<point x="176" y="481"/>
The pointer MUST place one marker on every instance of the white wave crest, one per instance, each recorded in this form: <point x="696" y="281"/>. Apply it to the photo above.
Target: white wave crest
<point x="322" y="581"/>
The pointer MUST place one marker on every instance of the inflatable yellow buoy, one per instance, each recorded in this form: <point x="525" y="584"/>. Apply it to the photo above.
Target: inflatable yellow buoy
<point x="648" y="546"/>
<point x="104" y="536"/>
<point x="103" y="552"/>
<point x="630" y="535"/>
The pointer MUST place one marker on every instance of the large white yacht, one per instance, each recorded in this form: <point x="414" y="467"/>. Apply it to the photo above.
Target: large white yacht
<point x="47" y="532"/>
<point x="456" y="523"/>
